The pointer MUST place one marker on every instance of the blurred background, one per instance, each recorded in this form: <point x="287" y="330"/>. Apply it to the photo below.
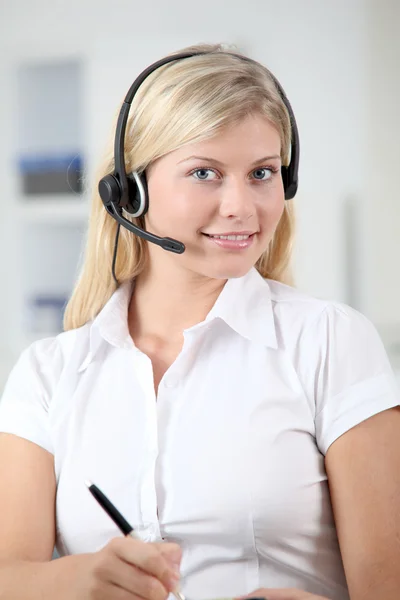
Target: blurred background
<point x="64" y="68"/>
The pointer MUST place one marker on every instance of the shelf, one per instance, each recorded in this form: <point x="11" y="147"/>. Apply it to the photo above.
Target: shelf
<point x="60" y="209"/>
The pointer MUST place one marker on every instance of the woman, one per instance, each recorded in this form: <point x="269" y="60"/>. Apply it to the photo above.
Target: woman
<point x="247" y="431"/>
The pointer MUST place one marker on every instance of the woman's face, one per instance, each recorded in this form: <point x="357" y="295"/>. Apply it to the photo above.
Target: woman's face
<point x="223" y="198"/>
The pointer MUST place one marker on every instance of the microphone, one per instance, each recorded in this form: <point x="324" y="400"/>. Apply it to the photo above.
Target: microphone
<point x="166" y="243"/>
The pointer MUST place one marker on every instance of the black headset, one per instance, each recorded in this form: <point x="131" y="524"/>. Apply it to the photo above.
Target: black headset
<point x="120" y="191"/>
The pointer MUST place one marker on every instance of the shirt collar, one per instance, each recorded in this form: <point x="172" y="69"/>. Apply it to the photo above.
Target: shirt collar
<point x="111" y="324"/>
<point x="244" y="304"/>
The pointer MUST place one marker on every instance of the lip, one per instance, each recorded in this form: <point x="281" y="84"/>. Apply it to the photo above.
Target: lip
<point x="232" y="244"/>
<point x="231" y="233"/>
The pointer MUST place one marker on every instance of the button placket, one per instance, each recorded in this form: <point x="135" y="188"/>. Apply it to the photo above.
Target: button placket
<point x="149" y="528"/>
<point x="162" y="423"/>
<point x="168" y="410"/>
<point x="177" y="371"/>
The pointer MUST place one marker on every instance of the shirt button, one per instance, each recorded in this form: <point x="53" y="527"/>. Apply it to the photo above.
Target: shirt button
<point x="148" y="532"/>
<point x="171" y="382"/>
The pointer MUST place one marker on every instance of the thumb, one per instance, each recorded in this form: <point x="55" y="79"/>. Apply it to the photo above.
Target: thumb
<point x="171" y="552"/>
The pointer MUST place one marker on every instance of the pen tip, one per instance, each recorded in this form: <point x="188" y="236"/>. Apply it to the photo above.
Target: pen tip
<point x="88" y="483"/>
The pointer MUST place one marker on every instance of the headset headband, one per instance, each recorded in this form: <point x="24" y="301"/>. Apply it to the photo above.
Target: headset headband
<point x="119" y="192"/>
<point x="289" y="173"/>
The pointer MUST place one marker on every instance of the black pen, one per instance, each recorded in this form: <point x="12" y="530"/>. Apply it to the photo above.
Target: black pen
<point x="118" y="519"/>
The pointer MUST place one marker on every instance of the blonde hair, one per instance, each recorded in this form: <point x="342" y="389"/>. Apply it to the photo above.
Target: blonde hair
<point x="182" y="102"/>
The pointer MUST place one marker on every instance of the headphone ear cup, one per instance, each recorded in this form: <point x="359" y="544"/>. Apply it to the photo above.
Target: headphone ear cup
<point x="109" y="191"/>
<point x="284" y="173"/>
<point x="289" y="185"/>
<point x="138" y="194"/>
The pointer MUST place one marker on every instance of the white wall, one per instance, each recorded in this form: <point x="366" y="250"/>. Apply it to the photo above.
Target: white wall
<point x="383" y="166"/>
<point x="331" y="57"/>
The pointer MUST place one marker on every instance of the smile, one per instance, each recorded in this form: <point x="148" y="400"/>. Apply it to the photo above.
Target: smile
<point x="231" y="241"/>
<point x="229" y="237"/>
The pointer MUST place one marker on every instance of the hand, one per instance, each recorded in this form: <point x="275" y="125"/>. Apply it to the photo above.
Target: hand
<point x="282" y="594"/>
<point x="127" y="568"/>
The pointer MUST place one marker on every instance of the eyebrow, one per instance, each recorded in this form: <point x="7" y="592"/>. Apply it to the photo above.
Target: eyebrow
<point x="218" y="162"/>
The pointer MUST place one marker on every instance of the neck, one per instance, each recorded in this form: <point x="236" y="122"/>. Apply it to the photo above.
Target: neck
<point x="163" y="306"/>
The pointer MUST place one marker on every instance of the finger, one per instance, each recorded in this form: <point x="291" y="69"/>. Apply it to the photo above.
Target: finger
<point x="132" y="579"/>
<point x="172" y="552"/>
<point x="148" y="558"/>
<point x="116" y="593"/>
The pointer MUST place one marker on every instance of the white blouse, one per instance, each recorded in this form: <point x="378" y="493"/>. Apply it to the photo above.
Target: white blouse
<point x="228" y="460"/>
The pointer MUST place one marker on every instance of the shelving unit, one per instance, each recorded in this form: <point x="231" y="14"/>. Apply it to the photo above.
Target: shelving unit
<point x="59" y="105"/>
<point x="50" y="208"/>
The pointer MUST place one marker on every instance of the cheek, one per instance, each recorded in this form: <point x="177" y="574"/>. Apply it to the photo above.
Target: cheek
<point x="162" y="201"/>
<point x="272" y="211"/>
<point x="181" y="203"/>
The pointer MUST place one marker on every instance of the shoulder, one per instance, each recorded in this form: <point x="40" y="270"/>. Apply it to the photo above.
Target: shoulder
<point x="316" y="324"/>
<point x="288" y="300"/>
<point x="59" y="348"/>
<point x="296" y="312"/>
<point x="27" y="399"/>
<point x="44" y="361"/>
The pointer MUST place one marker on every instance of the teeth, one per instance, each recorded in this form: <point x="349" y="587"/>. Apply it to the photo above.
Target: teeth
<point x="231" y="237"/>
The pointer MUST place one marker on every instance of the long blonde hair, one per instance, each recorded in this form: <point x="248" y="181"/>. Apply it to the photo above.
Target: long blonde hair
<point x="182" y="102"/>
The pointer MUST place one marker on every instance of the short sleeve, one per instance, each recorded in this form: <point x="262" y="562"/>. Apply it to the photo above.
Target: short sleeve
<point x="24" y="406"/>
<point x="352" y="376"/>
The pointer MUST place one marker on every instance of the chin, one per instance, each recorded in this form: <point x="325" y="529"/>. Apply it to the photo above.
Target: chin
<point x="228" y="271"/>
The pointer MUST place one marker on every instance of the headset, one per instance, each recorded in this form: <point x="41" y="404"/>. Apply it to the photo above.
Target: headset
<point x="122" y="192"/>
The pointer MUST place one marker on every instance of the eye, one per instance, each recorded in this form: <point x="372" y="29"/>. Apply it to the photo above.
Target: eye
<point x="264" y="173"/>
<point x="204" y="174"/>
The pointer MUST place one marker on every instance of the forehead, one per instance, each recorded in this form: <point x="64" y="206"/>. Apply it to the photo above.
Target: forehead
<point x="252" y="137"/>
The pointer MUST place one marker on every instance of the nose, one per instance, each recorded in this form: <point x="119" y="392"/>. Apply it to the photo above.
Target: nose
<point x="237" y="201"/>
